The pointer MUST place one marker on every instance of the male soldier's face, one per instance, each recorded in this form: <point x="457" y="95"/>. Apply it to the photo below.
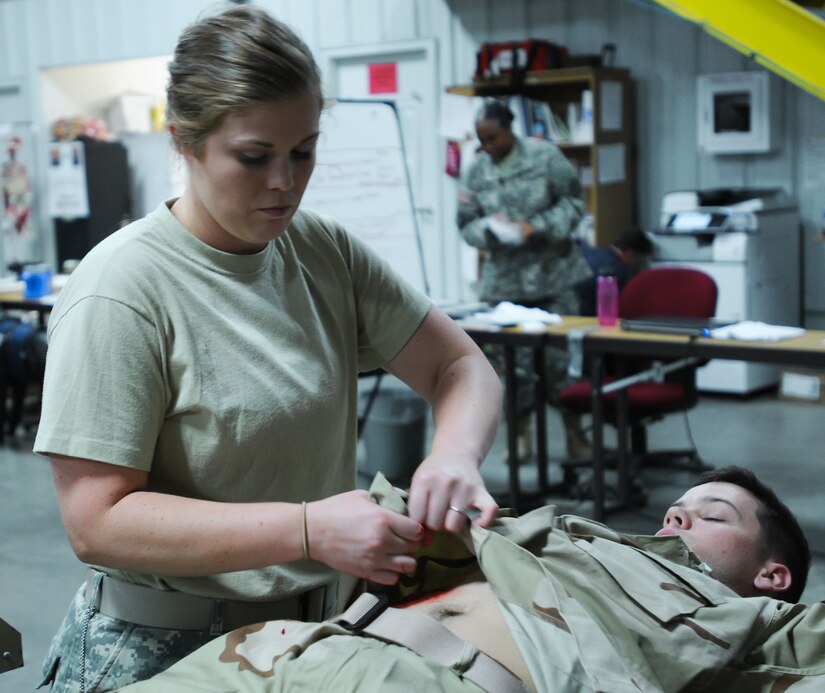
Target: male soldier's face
<point x="719" y="524"/>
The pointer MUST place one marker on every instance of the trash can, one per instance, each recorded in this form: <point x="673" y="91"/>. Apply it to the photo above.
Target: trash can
<point x="394" y="434"/>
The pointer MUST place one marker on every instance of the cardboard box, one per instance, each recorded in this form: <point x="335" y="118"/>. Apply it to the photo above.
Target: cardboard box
<point x="802" y="385"/>
<point x="130" y="113"/>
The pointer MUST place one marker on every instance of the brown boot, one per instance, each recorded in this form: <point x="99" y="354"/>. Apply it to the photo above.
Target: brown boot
<point x="577" y="443"/>
<point x="524" y="440"/>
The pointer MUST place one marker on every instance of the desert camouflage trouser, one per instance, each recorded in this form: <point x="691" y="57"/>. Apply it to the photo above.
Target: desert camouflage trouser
<point x="92" y="653"/>
<point x="333" y="664"/>
<point x="555" y="360"/>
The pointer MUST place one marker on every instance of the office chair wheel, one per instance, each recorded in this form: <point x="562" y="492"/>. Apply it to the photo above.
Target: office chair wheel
<point x="637" y="497"/>
<point x="688" y="461"/>
<point x="583" y="491"/>
<point x="570" y="477"/>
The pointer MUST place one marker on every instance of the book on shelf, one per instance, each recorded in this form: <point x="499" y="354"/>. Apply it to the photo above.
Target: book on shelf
<point x="536" y="118"/>
<point x="522" y="116"/>
<point x="559" y="128"/>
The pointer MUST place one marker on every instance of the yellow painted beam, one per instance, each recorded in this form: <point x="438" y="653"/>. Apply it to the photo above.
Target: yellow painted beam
<point x="778" y="34"/>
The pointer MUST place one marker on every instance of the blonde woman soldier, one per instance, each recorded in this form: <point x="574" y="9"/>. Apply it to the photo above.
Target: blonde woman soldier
<point x="200" y="399"/>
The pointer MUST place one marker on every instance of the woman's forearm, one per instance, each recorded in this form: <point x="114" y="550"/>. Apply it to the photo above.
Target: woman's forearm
<point x="112" y="521"/>
<point x="443" y="365"/>
<point x="164" y="534"/>
<point x="558" y="222"/>
<point x="466" y="408"/>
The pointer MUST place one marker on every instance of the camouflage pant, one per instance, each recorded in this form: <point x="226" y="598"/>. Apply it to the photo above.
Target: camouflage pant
<point x="93" y="653"/>
<point x="555" y="360"/>
<point x="333" y="664"/>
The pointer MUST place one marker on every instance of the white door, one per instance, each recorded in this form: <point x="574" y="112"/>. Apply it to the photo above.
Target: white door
<point x="404" y="73"/>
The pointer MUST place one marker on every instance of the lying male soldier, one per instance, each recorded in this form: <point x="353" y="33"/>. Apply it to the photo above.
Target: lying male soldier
<point x="561" y="603"/>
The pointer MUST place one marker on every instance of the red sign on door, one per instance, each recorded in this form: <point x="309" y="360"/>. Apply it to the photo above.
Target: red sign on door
<point x="383" y="78"/>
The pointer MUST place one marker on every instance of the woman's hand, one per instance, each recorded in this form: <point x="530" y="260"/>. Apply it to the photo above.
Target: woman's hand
<point x="441" y="484"/>
<point x="526" y="229"/>
<point x="350" y="533"/>
<point x="442" y="364"/>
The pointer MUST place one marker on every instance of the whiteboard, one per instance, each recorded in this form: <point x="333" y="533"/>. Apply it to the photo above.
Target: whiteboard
<point x="361" y="179"/>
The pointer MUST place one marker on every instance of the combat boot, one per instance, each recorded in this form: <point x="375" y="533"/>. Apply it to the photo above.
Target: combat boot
<point x="524" y="438"/>
<point x="578" y="445"/>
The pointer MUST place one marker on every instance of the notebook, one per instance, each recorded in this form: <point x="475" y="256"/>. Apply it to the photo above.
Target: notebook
<point x="674" y="324"/>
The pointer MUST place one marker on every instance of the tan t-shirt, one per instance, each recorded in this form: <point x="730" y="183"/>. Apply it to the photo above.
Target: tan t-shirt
<point x="227" y="377"/>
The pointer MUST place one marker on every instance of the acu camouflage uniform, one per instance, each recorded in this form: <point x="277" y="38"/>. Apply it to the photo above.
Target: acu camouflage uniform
<point x="93" y="653"/>
<point x="590" y="610"/>
<point x="535" y="183"/>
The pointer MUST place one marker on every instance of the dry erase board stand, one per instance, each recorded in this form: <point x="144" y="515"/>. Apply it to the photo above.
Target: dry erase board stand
<point x="361" y="179"/>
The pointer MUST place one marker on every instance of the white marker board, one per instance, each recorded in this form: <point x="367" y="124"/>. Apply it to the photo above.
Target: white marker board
<point x="361" y="180"/>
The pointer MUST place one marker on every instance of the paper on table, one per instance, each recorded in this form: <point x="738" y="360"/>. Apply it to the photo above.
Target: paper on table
<point x="753" y="331"/>
<point x="507" y="313"/>
<point x="507" y="232"/>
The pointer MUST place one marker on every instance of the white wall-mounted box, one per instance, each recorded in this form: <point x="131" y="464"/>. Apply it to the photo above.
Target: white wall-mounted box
<point x="735" y="113"/>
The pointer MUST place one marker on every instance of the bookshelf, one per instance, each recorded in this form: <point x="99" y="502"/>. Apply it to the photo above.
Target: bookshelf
<point x="603" y="159"/>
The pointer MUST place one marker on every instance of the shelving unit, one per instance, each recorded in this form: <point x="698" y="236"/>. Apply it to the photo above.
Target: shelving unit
<point x="605" y="165"/>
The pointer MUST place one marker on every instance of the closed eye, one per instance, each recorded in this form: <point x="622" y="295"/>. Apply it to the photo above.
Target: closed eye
<point x="303" y="155"/>
<point x="249" y="160"/>
<point x="713" y="519"/>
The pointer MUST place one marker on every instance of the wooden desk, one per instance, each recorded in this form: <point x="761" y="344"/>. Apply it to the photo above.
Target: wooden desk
<point x="43" y="305"/>
<point x="509" y="339"/>
<point x="806" y="350"/>
<point x="598" y="344"/>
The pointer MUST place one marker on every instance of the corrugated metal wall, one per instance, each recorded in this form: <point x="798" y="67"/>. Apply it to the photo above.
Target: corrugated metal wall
<point x="663" y="53"/>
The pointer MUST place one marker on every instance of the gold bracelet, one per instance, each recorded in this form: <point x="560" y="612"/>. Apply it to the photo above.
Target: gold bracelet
<point x="304" y="532"/>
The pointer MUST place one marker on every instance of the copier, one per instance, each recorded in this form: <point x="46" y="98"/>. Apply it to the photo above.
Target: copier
<point x="748" y="240"/>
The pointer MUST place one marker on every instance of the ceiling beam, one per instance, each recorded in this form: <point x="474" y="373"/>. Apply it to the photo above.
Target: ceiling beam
<point x="778" y="34"/>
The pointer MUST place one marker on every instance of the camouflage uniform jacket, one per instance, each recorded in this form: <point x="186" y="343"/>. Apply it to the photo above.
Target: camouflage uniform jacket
<point x="590" y="610"/>
<point x="535" y="183"/>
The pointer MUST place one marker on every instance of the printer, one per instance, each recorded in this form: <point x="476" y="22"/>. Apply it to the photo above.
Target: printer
<point x="748" y="240"/>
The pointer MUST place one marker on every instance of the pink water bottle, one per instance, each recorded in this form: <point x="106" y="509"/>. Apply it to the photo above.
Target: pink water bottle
<point x="607" y="296"/>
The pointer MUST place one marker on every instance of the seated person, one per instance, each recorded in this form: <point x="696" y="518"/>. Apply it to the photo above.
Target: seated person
<point x="629" y="254"/>
<point x="562" y="603"/>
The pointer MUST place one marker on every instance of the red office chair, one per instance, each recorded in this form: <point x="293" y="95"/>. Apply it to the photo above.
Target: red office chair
<point x="662" y="291"/>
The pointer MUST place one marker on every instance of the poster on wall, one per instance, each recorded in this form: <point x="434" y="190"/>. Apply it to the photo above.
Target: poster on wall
<point x="383" y="78"/>
<point x="66" y="181"/>
<point x="813" y="164"/>
<point x="17" y="223"/>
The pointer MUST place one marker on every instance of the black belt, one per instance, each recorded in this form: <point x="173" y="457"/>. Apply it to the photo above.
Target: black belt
<point x="170" y="609"/>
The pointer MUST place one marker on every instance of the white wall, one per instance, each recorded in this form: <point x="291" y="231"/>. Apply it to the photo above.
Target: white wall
<point x="664" y="54"/>
<point x="89" y="88"/>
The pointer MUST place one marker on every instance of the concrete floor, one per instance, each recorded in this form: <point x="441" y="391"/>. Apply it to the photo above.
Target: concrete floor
<point x="780" y="441"/>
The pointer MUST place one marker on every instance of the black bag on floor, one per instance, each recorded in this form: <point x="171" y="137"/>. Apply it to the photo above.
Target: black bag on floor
<point x="22" y="363"/>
